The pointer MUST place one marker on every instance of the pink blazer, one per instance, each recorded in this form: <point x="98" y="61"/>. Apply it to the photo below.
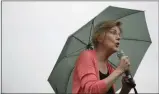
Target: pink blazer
<point x="86" y="74"/>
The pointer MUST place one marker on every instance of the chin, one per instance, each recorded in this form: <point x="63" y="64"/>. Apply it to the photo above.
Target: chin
<point x="116" y="49"/>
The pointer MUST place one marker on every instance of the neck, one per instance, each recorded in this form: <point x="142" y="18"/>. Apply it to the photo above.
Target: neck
<point x="103" y="54"/>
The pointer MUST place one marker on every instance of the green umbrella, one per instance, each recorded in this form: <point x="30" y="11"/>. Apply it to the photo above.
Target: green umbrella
<point x="135" y="42"/>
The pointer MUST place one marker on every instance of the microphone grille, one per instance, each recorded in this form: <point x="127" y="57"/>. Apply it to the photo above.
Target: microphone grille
<point x="120" y="54"/>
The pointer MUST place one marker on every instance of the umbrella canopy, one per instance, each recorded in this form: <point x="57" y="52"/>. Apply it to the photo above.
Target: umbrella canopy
<point x="135" y="42"/>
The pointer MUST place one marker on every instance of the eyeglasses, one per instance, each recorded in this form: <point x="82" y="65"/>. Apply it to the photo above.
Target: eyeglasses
<point x="114" y="32"/>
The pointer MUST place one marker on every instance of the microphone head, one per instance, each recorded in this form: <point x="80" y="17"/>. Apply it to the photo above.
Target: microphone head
<point x="120" y="54"/>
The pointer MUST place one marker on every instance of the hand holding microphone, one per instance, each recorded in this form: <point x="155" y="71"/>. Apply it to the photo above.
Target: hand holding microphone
<point x="124" y="66"/>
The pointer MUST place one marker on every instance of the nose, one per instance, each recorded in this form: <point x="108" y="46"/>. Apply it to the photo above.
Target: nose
<point x="118" y="37"/>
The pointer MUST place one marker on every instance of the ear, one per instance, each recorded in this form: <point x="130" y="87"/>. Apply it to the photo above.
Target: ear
<point x="100" y="38"/>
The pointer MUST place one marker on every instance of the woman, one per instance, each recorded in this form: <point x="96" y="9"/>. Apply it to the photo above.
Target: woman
<point x="93" y="73"/>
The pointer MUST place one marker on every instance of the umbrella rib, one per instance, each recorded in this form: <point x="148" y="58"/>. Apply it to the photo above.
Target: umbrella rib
<point x="68" y="79"/>
<point x="72" y="56"/>
<point x="112" y="64"/>
<point x="79" y="40"/>
<point x="90" y="32"/>
<point x="129" y="15"/>
<point x="75" y="51"/>
<point x="69" y="54"/>
<point x="135" y="40"/>
<point x="92" y="27"/>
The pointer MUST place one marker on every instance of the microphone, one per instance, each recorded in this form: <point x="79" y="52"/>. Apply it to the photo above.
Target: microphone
<point x="120" y="54"/>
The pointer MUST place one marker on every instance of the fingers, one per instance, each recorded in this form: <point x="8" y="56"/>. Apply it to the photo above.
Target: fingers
<point x="124" y="57"/>
<point x="126" y="61"/>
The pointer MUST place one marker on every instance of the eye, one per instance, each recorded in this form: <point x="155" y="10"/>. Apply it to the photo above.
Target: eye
<point x="113" y="32"/>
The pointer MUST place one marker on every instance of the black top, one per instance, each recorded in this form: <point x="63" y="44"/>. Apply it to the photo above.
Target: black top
<point x="102" y="76"/>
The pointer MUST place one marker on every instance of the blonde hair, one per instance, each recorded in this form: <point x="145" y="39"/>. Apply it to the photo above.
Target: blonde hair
<point x="103" y="26"/>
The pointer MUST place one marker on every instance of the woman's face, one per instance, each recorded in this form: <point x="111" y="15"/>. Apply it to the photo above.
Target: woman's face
<point x="111" y="39"/>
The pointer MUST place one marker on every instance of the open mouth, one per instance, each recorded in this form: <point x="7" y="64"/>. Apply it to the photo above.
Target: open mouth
<point x="117" y="44"/>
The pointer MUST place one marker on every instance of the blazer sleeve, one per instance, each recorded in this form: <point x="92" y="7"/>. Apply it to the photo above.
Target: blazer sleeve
<point x="87" y="75"/>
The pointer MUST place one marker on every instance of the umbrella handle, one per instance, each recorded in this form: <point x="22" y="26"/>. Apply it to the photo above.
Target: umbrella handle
<point x="135" y="91"/>
<point x="132" y="84"/>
